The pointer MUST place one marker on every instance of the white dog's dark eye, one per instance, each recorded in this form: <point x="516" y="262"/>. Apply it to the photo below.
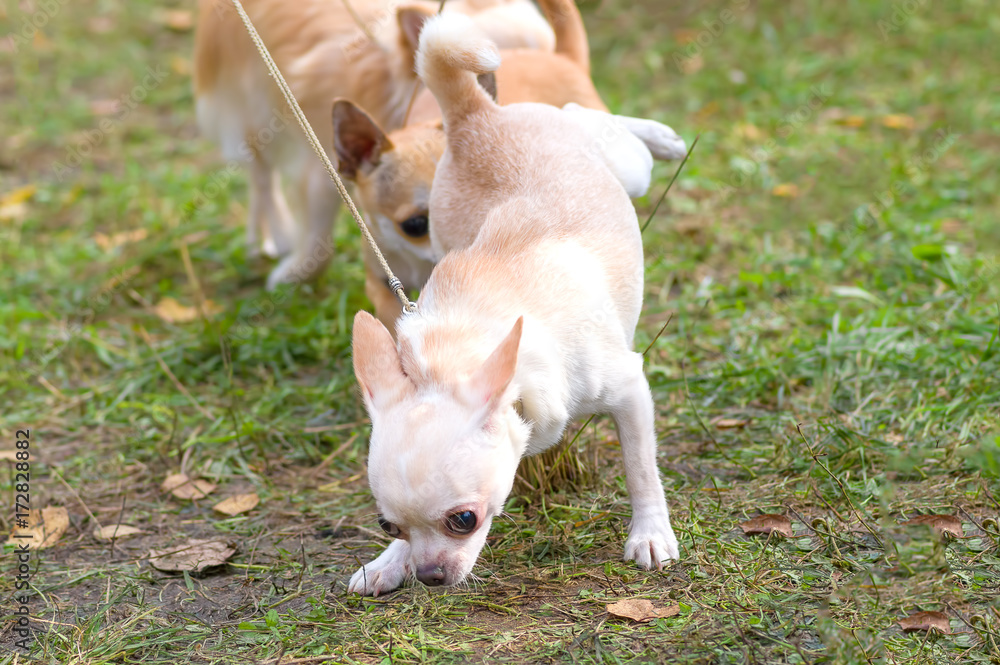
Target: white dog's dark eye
<point x="387" y="526"/>
<point x="462" y="523"/>
<point x="416" y="226"/>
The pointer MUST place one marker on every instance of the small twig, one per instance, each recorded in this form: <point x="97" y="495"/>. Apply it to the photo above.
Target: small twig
<point x="189" y="269"/>
<point x="861" y="646"/>
<point x="704" y="427"/>
<point x="669" y="319"/>
<point x="118" y="522"/>
<point x="166" y="370"/>
<point x="670" y="184"/>
<point x="77" y="497"/>
<point x="329" y="458"/>
<point x="843" y="490"/>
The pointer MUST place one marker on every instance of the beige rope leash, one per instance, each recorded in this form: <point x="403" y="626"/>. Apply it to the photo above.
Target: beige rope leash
<point x="394" y="284"/>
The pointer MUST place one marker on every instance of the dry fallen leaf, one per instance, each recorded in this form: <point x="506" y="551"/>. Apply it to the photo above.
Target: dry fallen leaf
<point x="240" y="503"/>
<point x="180" y="20"/>
<point x="730" y="423"/>
<point x="14" y="204"/>
<point x="898" y="121"/>
<point x="172" y="311"/>
<point x="109" y="242"/>
<point x="786" y="190"/>
<point x="41" y="43"/>
<point x="951" y="226"/>
<point x="748" y="131"/>
<point x="43" y="530"/>
<point x="942" y="524"/>
<point x="851" y="121"/>
<point x="9" y="455"/>
<point x="104" y="106"/>
<point x="115" y="532"/>
<point x="183" y="487"/>
<point x="193" y="556"/>
<point x="19" y="195"/>
<point x="101" y="25"/>
<point x="13" y="212"/>
<point x="640" y="609"/>
<point x="685" y="36"/>
<point x="180" y="66"/>
<point x="925" y="621"/>
<point x="765" y="524"/>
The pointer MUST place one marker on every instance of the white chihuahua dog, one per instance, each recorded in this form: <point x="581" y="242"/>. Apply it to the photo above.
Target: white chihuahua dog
<point x="518" y="331"/>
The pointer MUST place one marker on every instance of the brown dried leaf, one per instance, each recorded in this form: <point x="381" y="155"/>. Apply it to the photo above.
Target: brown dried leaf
<point x="104" y="107"/>
<point x="180" y="20"/>
<point x="640" y="609"/>
<point x="192" y="556"/>
<point x="765" y="524"/>
<point x="239" y="503"/>
<point x="115" y="532"/>
<point x="9" y="455"/>
<point x="180" y="66"/>
<point x="44" y="529"/>
<point x="731" y="423"/>
<point x="925" y="621"/>
<point x="748" y="131"/>
<point x="898" y="121"/>
<point x="109" y="242"/>
<point x="14" y="204"/>
<point x="786" y="190"/>
<point x="183" y="487"/>
<point x="942" y="524"/>
<point x="851" y="121"/>
<point x="951" y="226"/>
<point x="101" y="25"/>
<point x="172" y="311"/>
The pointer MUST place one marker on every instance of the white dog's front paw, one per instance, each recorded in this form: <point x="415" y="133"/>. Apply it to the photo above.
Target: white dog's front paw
<point x="651" y="542"/>
<point x="661" y="140"/>
<point x="385" y="573"/>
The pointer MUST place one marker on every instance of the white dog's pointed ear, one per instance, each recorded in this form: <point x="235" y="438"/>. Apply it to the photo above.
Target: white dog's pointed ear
<point x="376" y="363"/>
<point x="489" y="384"/>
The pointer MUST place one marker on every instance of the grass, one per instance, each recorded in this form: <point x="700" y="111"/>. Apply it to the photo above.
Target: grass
<point x="831" y="259"/>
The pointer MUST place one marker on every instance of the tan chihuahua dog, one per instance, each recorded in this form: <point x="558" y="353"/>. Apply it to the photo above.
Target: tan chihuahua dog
<point x="539" y="310"/>
<point x="393" y="170"/>
<point x="324" y="53"/>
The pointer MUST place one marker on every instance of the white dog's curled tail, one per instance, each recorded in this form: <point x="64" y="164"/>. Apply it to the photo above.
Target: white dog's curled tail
<point x="453" y="52"/>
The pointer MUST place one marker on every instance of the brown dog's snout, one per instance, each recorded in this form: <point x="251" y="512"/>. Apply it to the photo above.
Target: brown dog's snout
<point x="431" y="575"/>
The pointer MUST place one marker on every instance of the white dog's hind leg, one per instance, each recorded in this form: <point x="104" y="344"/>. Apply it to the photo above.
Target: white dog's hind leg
<point x="651" y="539"/>
<point x="385" y="573"/>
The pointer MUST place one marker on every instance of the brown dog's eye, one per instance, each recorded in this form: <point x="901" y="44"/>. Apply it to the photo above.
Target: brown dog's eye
<point x="387" y="526"/>
<point x="461" y="523"/>
<point x="415" y="227"/>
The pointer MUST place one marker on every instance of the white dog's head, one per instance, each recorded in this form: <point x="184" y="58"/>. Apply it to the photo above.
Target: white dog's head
<point x="445" y="440"/>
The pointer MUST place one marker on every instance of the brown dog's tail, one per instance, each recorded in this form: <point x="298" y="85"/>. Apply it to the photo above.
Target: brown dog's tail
<point x="571" y="35"/>
<point x="452" y="53"/>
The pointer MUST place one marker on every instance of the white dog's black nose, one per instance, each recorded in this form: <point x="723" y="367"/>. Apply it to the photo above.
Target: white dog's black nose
<point x="431" y="575"/>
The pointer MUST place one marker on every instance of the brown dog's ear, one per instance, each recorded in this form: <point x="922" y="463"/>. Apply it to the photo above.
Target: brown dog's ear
<point x="376" y="364"/>
<point x="488" y="385"/>
<point x="357" y="139"/>
<point x="411" y="19"/>
<point x="488" y="81"/>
